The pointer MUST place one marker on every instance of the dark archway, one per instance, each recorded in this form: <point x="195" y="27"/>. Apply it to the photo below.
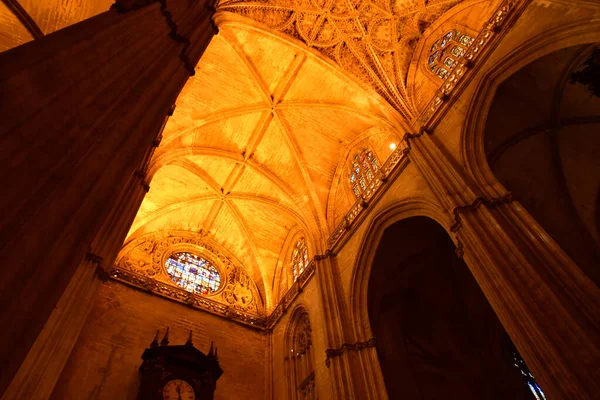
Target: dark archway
<point x="542" y="143"/>
<point x="437" y="336"/>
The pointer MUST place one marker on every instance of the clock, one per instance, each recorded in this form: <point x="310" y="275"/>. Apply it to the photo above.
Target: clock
<point x="178" y="389"/>
<point x="178" y="372"/>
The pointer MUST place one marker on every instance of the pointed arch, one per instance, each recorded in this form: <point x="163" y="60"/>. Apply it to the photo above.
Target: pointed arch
<point x="284" y="277"/>
<point x="298" y="355"/>
<point x="359" y="319"/>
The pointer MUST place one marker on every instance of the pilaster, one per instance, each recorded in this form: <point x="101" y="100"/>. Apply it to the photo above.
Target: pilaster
<point x="340" y="368"/>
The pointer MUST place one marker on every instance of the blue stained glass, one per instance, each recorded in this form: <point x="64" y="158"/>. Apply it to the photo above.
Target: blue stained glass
<point x="193" y="273"/>
<point x="434" y="57"/>
<point x="447" y="38"/>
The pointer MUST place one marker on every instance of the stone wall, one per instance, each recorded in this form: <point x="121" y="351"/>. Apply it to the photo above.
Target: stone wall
<point x="123" y="322"/>
<point x="310" y="300"/>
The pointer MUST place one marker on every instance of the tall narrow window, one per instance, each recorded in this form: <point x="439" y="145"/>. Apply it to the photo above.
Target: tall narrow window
<point x="299" y="258"/>
<point x="364" y="166"/>
<point x="446" y="51"/>
<point x="527" y="376"/>
<point x="513" y="356"/>
<point x="301" y="373"/>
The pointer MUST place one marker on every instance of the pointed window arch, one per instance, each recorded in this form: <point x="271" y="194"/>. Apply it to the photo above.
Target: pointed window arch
<point x="446" y="51"/>
<point x="363" y="169"/>
<point x="299" y="259"/>
<point x="299" y="362"/>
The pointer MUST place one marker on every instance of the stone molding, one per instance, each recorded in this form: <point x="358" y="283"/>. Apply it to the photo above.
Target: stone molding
<point x="331" y="353"/>
<point x="490" y="203"/>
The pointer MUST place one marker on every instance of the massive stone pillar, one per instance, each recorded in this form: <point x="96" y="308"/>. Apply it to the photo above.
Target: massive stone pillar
<point x="546" y="303"/>
<point x="81" y="110"/>
<point x="46" y="359"/>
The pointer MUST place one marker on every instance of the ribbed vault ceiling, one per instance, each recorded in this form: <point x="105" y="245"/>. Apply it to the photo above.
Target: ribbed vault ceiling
<point x="251" y="150"/>
<point x="258" y="141"/>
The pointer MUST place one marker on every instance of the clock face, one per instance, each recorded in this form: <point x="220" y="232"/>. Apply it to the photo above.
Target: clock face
<point x="178" y="390"/>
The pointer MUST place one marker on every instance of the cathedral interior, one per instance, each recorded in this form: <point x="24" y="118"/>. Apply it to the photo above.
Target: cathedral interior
<point x="300" y="199"/>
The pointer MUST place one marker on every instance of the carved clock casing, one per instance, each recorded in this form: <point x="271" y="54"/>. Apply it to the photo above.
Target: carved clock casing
<point x="178" y="373"/>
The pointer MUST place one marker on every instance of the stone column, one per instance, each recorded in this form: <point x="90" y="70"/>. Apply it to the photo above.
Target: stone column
<point x="327" y="275"/>
<point x="546" y="303"/>
<point x="44" y="363"/>
<point x="80" y="110"/>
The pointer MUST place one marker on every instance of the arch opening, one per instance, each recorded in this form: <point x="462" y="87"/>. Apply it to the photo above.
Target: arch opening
<point x="437" y="336"/>
<point x="541" y="144"/>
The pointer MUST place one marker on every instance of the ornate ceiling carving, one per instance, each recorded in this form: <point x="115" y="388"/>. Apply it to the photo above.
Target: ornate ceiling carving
<point x="146" y="257"/>
<point x="373" y="40"/>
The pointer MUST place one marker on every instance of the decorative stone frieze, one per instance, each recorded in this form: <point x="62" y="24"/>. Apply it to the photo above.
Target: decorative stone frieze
<point x="142" y="262"/>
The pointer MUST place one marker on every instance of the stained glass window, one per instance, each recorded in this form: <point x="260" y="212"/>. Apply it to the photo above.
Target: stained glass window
<point x="364" y="167"/>
<point x="446" y="51"/>
<point x="457" y="51"/>
<point x="528" y="377"/>
<point x="299" y="258"/>
<point x="193" y="273"/>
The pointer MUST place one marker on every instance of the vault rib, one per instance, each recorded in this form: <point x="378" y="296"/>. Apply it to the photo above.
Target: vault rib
<point x="173" y="154"/>
<point x="260" y="82"/>
<point x="246" y="230"/>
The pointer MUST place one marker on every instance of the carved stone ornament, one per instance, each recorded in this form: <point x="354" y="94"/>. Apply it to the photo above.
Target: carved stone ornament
<point x="373" y="40"/>
<point x="303" y="335"/>
<point x="146" y="256"/>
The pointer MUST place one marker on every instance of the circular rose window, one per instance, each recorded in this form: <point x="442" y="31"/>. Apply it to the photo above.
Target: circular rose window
<point x="193" y="273"/>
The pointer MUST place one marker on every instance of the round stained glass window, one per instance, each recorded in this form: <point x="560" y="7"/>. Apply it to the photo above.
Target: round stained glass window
<point x="193" y="273"/>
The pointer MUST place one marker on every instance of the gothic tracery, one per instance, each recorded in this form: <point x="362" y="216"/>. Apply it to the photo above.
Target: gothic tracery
<point x="372" y="40"/>
<point x="363" y="169"/>
<point x="299" y="258"/>
<point x="446" y="51"/>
